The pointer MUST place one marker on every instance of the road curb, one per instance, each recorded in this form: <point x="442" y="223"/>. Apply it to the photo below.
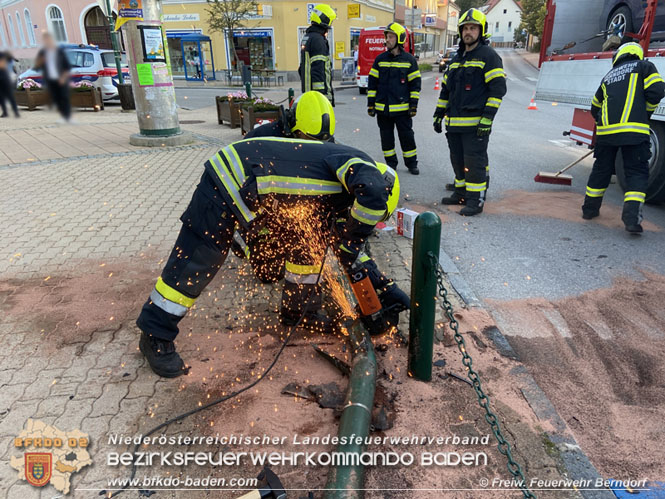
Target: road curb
<point x="526" y="59"/>
<point x="575" y="462"/>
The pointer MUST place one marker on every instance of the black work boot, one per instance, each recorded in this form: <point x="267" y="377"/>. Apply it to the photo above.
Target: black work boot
<point x="591" y="207"/>
<point x="632" y="216"/>
<point x="413" y="169"/>
<point x="473" y="207"/>
<point x="161" y="356"/>
<point x="450" y="187"/>
<point x="454" y="198"/>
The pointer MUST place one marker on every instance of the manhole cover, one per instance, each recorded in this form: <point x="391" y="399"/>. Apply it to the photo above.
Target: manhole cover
<point x="191" y="122"/>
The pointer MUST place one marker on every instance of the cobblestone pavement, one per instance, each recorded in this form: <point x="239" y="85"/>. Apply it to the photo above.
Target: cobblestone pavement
<point x="83" y="241"/>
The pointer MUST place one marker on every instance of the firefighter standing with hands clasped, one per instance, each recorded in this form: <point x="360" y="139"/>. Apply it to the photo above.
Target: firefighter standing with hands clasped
<point x="315" y="65"/>
<point x="393" y="91"/>
<point x="470" y="97"/>
<point x="622" y="107"/>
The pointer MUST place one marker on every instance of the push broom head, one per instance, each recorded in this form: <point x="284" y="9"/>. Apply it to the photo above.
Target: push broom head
<point x="553" y="178"/>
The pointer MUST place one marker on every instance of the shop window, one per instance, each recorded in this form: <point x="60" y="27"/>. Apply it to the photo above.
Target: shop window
<point x="254" y="48"/>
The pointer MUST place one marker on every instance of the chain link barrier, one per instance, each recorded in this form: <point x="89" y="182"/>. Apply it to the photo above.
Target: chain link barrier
<point x="483" y="400"/>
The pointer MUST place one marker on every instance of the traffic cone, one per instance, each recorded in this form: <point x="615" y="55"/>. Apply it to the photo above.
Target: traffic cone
<point x="532" y="104"/>
<point x="436" y="84"/>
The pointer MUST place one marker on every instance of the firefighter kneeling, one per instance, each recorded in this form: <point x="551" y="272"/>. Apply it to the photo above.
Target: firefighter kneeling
<point x="305" y="181"/>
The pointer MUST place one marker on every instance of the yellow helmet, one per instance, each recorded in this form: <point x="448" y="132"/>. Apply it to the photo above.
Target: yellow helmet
<point x="398" y="30"/>
<point x="473" y="16"/>
<point x="323" y="15"/>
<point x="631" y="48"/>
<point x="314" y="115"/>
<point x="392" y="183"/>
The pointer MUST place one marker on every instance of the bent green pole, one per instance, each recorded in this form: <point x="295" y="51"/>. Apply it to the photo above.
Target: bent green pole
<point x="426" y="241"/>
<point x="346" y="481"/>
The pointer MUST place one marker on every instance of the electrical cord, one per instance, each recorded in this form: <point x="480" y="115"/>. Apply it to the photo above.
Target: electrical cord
<point x="236" y="393"/>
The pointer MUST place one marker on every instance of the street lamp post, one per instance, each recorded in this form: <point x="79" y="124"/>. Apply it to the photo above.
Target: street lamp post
<point x="114" y="42"/>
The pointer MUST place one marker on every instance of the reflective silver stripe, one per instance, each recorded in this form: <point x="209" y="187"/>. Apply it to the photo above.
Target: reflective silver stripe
<point x="166" y="305"/>
<point x="232" y="157"/>
<point x="301" y="279"/>
<point x="323" y="58"/>
<point x="231" y="189"/>
<point x="267" y="186"/>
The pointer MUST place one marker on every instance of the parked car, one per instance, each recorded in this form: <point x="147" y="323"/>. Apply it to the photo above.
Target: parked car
<point x="626" y="16"/>
<point x="445" y="60"/>
<point x="92" y="64"/>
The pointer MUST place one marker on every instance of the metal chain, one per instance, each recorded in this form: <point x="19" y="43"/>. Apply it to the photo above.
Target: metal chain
<point x="483" y="400"/>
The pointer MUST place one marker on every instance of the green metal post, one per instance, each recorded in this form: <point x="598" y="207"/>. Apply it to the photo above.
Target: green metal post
<point x="427" y="239"/>
<point x="116" y="45"/>
<point x="346" y="482"/>
<point x="248" y="89"/>
<point x="291" y="96"/>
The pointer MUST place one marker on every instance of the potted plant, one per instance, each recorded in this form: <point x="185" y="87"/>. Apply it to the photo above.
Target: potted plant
<point x="258" y="111"/>
<point x="30" y="94"/>
<point x="228" y="108"/>
<point x="85" y="94"/>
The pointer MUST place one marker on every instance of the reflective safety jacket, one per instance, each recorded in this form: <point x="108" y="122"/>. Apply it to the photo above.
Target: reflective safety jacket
<point x="623" y="103"/>
<point x="252" y="174"/>
<point x="394" y="83"/>
<point x="315" y="65"/>
<point x="471" y="89"/>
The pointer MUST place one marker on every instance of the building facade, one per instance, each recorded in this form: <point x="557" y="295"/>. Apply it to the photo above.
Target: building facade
<point x="503" y="18"/>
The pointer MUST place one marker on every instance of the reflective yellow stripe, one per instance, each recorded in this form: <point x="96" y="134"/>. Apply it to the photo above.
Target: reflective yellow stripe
<point x="623" y="128"/>
<point x="321" y="58"/>
<point x="308" y="73"/>
<point x="236" y="165"/>
<point x="604" y="120"/>
<point x="173" y="295"/>
<point x="454" y="65"/>
<point x="445" y="78"/>
<point x="471" y="187"/>
<point x="284" y="139"/>
<point x="442" y="104"/>
<point x="414" y="95"/>
<point x="371" y="93"/>
<point x="595" y="193"/>
<point x="474" y="64"/>
<point x="410" y="154"/>
<point x="302" y="269"/>
<point x="366" y="215"/>
<point x="465" y="121"/>
<point x="279" y="184"/>
<point x="654" y="78"/>
<point x="460" y="183"/>
<point x="493" y="102"/>
<point x="318" y="85"/>
<point x="231" y="187"/>
<point x="634" y="196"/>
<point x="342" y="170"/>
<point x="386" y="64"/>
<point x="413" y="76"/>
<point x="495" y="73"/>
<point x="390" y="152"/>
<point x="651" y="107"/>
<point x="398" y="107"/>
<point x="374" y="72"/>
<point x="595" y="102"/>
<point x="379" y="106"/>
<point x="628" y="105"/>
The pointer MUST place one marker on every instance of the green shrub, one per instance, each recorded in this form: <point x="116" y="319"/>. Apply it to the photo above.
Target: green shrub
<point x="425" y="66"/>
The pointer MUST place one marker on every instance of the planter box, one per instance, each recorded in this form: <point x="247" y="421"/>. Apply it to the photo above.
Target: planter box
<point x="229" y="111"/>
<point x="251" y="118"/>
<point x="90" y="98"/>
<point x="32" y="98"/>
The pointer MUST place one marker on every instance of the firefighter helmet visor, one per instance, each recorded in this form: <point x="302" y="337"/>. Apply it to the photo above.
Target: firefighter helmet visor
<point x="398" y="30"/>
<point x="323" y="15"/>
<point x="314" y="115"/>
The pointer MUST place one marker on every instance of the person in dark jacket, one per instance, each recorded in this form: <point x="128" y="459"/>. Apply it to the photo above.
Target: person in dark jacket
<point x="302" y="182"/>
<point x="7" y="84"/>
<point x="315" y="64"/>
<point x="393" y="90"/>
<point x="55" y="67"/>
<point x="622" y="107"/>
<point x="471" y="94"/>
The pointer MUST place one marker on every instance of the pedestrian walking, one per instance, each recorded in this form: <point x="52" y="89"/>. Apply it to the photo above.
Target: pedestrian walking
<point x="315" y="64"/>
<point x="393" y="91"/>
<point x="7" y="84"/>
<point x="622" y="107"/>
<point x="55" y="67"/>
<point x="471" y="94"/>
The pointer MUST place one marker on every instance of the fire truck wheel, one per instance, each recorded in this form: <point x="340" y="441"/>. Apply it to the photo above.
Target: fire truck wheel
<point x="362" y="90"/>
<point x="656" y="187"/>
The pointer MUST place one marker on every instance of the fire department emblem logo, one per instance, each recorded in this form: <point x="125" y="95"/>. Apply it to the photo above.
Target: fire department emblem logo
<point x="38" y="468"/>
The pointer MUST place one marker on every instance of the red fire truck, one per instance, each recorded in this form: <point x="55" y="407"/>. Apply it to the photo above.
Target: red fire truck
<point x="567" y="77"/>
<point x="370" y="44"/>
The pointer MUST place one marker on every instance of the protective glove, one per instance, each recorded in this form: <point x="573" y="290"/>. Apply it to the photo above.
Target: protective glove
<point x="371" y="111"/>
<point x="438" y="127"/>
<point x="484" y="127"/>
<point x="346" y="256"/>
<point x="394" y="296"/>
<point x="413" y="110"/>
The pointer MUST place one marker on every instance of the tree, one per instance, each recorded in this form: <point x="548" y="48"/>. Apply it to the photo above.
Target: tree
<point x="465" y="5"/>
<point x="533" y="16"/>
<point x="226" y="16"/>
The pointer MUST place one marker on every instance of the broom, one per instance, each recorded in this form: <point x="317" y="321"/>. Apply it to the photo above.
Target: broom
<point x="557" y="178"/>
